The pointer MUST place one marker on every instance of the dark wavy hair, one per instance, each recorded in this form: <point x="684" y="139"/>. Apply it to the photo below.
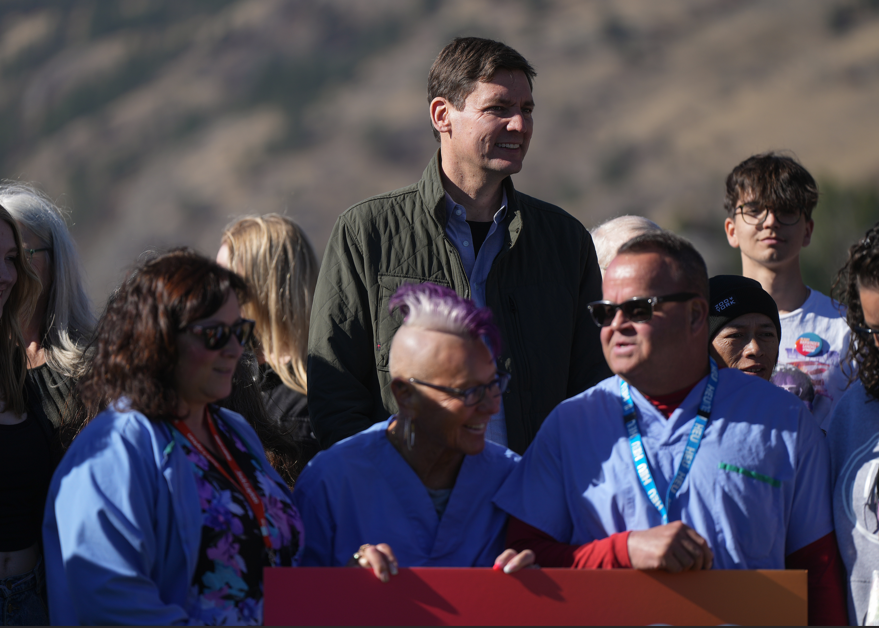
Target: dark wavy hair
<point x="775" y="180"/>
<point x="861" y="270"/>
<point x="134" y="350"/>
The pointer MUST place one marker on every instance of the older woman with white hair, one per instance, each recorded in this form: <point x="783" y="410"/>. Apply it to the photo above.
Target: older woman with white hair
<point x="416" y="490"/>
<point x="62" y="321"/>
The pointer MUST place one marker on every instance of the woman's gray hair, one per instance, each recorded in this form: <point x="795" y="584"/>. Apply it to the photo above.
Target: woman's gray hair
<point x="69" y="319"/>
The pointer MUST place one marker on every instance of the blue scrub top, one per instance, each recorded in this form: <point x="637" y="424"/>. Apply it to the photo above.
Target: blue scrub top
<point x="758" y="490"/>
<point x="361" y="490"/>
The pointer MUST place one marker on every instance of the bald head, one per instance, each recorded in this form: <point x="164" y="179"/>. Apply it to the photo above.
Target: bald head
<point x="609" y="236"/>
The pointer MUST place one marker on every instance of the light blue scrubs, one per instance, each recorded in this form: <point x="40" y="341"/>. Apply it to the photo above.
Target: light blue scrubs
<point x="758" y="490"/>
<point x="361" y="490"/>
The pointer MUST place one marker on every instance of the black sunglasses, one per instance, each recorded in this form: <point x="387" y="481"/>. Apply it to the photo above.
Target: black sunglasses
<point x="637" y="310"/>
<point x="473" y="396"/>
<point x="217" y="336"/>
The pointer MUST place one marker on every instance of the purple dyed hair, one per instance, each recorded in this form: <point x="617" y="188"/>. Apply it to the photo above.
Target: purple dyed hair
<point x="436" y="308"/>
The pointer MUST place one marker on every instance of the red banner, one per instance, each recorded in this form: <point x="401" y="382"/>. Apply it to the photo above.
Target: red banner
<point x="433" y="597"/>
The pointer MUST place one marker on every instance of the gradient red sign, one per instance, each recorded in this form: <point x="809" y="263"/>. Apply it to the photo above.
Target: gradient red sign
<point x="434" y="597"/>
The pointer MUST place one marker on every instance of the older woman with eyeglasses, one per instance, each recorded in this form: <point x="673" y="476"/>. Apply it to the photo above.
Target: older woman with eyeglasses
<point x="164" y="509"/>
<point x="56" y="331"/>
<point x="416" y="489"/>
<point x="853" y="434"/>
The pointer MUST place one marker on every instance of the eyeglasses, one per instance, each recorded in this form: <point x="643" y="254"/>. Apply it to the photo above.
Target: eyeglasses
<point x="754" y="214"/>
<point x="866" y="331"/>
<point x="473" y="396"/>
<point x="217" y="336"/>
<point x="637" y="310"/>
<point x="29" y="253"/>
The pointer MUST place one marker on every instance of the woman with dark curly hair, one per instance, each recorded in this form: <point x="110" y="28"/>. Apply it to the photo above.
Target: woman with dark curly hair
<point x="165" y="509"/>
<point x="853" y="433"/>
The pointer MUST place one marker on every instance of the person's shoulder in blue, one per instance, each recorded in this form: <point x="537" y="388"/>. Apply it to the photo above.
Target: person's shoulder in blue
<point x="362" y="491"/>
<point x="123" y="511"/>
<point x="673" y="463"/>
<point x="416" y="490"/>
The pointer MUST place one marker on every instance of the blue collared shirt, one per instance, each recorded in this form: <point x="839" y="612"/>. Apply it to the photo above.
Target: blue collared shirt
<point x="477" y="268"/>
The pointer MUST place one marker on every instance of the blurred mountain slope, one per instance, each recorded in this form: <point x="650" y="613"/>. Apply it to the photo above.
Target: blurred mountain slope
<point x="157" y="121"/>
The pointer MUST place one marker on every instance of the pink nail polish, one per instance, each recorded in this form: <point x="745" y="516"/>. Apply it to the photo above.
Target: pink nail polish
<point x="497" y="567"/>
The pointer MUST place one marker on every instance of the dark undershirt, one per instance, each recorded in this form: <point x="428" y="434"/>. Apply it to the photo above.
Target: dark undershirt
<point x="479" y="231"/>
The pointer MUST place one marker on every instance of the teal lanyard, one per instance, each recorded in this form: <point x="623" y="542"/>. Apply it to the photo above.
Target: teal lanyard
<point x="693" y="442"/>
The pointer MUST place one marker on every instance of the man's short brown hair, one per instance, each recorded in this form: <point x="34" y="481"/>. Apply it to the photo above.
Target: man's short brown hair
<point x="775" y="181"/>
<point x="467" y="60"/>
<point x="690" y="271"/>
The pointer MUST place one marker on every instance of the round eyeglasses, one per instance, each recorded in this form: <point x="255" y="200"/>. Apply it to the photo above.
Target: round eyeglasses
<point x="754" y="214"/>
<point x="472" y="396"/>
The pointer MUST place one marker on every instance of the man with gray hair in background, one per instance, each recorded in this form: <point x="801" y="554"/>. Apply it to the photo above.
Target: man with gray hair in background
<point x="610" y="235"/>
<point x="462" y="226"/>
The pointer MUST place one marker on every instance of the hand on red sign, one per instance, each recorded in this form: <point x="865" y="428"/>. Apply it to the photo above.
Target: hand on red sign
<point x="380" y="558"/>
<point x="673" y="547"/>
<point x="511" y="562"/>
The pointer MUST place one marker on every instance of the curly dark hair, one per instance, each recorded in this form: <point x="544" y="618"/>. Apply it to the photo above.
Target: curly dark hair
<point x="861" y="270"/>
<point x="135" y="345"/>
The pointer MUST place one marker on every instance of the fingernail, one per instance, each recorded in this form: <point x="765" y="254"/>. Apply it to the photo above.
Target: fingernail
<point x="385" y="577"/>
<point x="508" y="568"/>
<point x="393" y="570"/>
<point x="497" y="567"/>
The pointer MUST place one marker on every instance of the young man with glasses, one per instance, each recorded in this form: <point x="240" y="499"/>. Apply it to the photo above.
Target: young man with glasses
<point x="675" y="464"/>
<point x="769" y="202"/>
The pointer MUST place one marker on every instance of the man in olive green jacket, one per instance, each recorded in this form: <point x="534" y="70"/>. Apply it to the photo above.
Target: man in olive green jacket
<point x="463" y="225"/>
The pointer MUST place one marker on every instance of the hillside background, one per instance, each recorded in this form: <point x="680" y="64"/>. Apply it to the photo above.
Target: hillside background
<point x="155" y="122"/>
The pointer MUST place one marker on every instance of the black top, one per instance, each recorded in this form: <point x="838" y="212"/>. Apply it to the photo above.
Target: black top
<point x="26" y="467"/>
<point x="289" y="409"/>
<point x="479" y="231"/>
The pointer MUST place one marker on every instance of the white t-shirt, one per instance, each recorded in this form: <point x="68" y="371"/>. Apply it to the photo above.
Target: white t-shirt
<point x="814" y="346"/>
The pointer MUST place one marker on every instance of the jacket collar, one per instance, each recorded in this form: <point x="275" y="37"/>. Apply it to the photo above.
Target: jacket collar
<point x="430" y="187"/>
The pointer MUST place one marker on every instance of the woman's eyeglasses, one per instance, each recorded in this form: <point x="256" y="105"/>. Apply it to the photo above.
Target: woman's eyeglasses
<point x="473" y="396"/>
<point x="29" y="253"/>
<point x="754" y="214"/>
<point x="215" y="337"/>
<point x="637" y="310"/>
<point x="866" y="331"/>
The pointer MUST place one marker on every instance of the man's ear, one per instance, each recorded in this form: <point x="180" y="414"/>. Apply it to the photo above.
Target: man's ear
<point x="807" y="235"/>
<point x="440" y="108"/>
<point x="698" y="314"/>
<point x="729" y="226"/>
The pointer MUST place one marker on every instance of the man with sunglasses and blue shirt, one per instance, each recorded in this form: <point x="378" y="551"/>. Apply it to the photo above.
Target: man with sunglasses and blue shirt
<point x="673" y="463"/>
<point x="769" y="203"/>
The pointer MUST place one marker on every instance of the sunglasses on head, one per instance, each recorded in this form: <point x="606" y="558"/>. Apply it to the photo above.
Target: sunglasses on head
<point x="217" y="336"/>
<point x="637" y="310"/>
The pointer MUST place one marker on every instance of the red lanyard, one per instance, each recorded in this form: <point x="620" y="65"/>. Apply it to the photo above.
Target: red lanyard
<point x="242" y="483"/>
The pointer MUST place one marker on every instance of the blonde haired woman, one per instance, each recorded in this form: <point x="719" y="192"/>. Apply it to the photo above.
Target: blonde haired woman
<point x="26" y="452"/>
<point x="275" y="258"/>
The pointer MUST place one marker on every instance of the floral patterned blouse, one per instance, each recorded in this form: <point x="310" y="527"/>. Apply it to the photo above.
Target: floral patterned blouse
<point x="228" y="583"/>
